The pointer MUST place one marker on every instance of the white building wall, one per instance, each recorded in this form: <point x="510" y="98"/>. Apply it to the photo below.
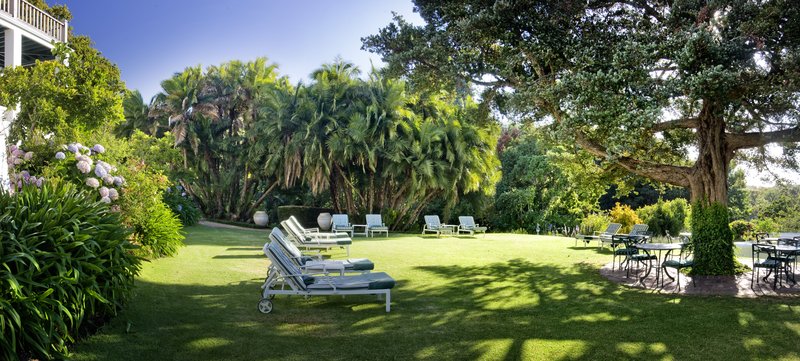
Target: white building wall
<point x="13" y="57"/>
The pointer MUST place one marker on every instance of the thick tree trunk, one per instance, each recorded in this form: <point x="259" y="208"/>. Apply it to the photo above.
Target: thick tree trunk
<point x="708" y="180"/>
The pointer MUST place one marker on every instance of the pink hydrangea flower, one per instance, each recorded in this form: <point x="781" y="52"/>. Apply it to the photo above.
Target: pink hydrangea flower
<point x="105" y="200"/>
<point x="84" y="167"/>
<point x="92" y="182"/>
<point x="28" y="156"/>
<point x="103" y="192"/>
<point x="113" y="194"/>
<point x="108" y="179"/>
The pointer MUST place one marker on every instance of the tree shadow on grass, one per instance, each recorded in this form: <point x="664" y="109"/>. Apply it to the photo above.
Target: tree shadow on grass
<point x="505" y="310"/>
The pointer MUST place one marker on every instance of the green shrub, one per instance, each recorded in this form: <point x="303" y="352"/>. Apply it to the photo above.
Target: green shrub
<point x="712" y="239"/>
<point x="665" y="218"/>
<point x="767" y="225"/>
<point x="155" y="228"/>
<point x="624" y="215"/>
<point x="594" y="223"/>
<point x="179" y="202"/>
<point x="742" y="229"/>
<point x="67" y="265"/>
<point x="306" y="215"/>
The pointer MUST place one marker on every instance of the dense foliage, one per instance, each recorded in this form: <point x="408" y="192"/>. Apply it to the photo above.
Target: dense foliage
<point x="738" y="196"/>
<point x="67" y="265"/>
<point x="712" y="240"/>
<point x="780" y="203"/>
<point x="179" y="202"/>
<point x="624" y="215"/>
<point x="543" y="185"/>
<point x="637" y="84"/>
<point x="595" y="222"/>
<point x="63" y="98"/>
<point x="665" y="217"/>
<point x="743" y="230"/>
<point x="369" y="144"/>
<point x="153" y="226"/>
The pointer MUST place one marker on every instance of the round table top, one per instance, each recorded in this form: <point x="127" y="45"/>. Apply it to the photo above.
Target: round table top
<point x="778" y="247"/>
<point x="786" y="248"/>
<point x="660" y="246"/>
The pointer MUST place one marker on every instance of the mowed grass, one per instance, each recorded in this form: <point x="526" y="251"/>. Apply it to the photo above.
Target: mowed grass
<point x="497" y="297"/>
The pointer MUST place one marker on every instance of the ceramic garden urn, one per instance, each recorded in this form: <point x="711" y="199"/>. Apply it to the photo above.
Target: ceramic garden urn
<point x="324" y="221"/>
<point x="261" y="218"/>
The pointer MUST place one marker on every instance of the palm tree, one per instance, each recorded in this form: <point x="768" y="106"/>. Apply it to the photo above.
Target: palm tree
<point x="137" y="117"/>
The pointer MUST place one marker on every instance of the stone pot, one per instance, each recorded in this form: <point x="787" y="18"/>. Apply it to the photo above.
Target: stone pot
<point x="324" y="221"/>
<point x="261" y="218"/>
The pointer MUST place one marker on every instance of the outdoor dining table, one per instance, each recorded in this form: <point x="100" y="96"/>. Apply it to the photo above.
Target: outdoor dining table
<point x="780" y="248"/>
<point x="658" y="248"/>
<point x="788" y="250"/>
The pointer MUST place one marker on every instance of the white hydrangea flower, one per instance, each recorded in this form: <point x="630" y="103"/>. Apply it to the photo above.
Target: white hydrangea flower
<point x="85" y="158"/>
<point x="105" y="200"/>
<point x="92" y="182"/>
<point x="108" y="179"/>
<point x="84" y="167"/>
<point x="113" y="194"/>
<point x="103" y="192"/>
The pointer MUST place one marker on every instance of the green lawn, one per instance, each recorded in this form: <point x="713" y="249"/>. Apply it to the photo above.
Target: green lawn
<point x="499" y="297"/>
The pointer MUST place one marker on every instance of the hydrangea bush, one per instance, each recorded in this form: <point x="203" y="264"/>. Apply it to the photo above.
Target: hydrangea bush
<point x="75" y="163"/>
<point x="154" y="227"/>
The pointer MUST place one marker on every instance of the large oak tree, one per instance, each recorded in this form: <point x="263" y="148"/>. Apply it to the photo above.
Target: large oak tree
<point x="668" y="90"/>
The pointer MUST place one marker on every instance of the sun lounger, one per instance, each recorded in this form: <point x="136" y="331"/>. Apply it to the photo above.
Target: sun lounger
<point x="314" y="232"/>
<point x="341" y="224"/>
<point x="316" y="264"/>
<point x="375" y="225"/>
<point x="433" y="225"/>
<point x="467" y="225"/>
<point x="304" y="241"/>
<point x="287" y="279"/>
<point x="610" y="231"/>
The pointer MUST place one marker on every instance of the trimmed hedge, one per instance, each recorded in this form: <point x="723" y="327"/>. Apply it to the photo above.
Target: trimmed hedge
<point x="67" y="266"/>
<point x="306" y="215"/>
<point x="712" y="240"/>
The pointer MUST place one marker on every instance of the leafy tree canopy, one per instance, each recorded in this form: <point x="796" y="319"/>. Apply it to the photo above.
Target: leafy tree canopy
<point x="643" y="84"/>
<point x="79" y="90"/>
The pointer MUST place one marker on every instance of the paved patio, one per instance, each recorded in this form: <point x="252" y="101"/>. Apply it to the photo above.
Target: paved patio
<point x="737" y="286"/>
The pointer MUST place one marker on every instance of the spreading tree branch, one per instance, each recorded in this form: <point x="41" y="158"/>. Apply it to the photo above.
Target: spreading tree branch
<point x="757" y="139"/>
<point x="681" y="123"/>
<point x="665" y="173"/>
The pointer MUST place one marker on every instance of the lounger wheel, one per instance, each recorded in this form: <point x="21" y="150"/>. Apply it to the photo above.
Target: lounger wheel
<point x="265" y="305"/>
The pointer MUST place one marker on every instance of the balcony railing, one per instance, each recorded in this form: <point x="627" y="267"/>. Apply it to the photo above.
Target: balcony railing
<point x="36" y="18"/>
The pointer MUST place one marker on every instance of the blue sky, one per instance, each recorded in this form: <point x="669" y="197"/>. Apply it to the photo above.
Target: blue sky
<point x="152" y="39"/>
